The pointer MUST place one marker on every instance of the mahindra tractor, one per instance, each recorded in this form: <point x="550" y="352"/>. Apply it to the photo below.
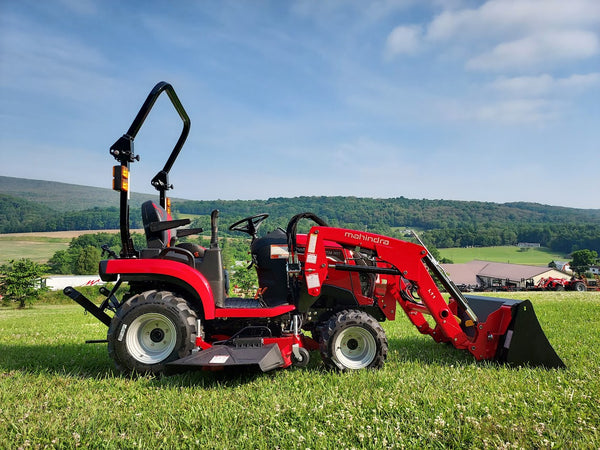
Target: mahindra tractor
<point x="561" y="284"/>
<point x="327" y="290"/>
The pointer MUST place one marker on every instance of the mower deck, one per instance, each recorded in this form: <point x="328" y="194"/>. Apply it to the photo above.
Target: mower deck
<point x="265" y="357"/>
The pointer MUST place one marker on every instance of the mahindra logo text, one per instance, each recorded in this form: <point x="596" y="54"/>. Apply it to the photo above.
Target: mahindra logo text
<point x="367" y="238"/>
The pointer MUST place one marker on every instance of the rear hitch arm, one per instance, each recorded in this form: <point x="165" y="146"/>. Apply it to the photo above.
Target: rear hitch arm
<point x="87" y="305"/>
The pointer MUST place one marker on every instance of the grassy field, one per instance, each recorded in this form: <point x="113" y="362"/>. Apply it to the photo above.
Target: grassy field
<point x="35" y="247"/>
<point x="506" y="254"/>
<point x="57" y="392"/>
<point x="39" y="247"/>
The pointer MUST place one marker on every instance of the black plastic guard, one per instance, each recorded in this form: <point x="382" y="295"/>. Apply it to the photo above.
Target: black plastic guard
<point x="524" y="342"/>
<point x="267" y="357"/>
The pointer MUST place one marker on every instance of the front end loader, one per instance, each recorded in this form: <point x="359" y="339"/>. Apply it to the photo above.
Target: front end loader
<point x="327" y="290"/>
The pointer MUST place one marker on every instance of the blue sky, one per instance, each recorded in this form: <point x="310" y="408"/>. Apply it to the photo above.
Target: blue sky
<point x="444" y="99"/>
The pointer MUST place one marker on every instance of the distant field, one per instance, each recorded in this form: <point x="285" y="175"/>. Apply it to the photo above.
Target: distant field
<point x="506" y="254"/>
<point x="38" y="247"/>
<point x="41" y="246"/>
<point x="188" y="216"/>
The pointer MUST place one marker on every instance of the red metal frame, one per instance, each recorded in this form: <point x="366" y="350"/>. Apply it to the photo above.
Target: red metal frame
<point x="483" y="337"/>
<point x="182" y="272"/>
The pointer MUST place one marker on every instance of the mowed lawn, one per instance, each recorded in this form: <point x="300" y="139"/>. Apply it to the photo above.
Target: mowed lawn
<point x="58" y="392"/>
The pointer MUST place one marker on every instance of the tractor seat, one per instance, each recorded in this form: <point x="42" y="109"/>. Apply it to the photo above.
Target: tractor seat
<point x="153" y="214"/>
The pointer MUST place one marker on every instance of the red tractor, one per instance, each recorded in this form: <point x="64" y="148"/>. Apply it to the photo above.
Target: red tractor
<point x="335" y="284"/>
<point x="561" y="284"/>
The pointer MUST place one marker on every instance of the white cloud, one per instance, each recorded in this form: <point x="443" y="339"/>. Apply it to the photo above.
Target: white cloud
<point x="518" y="111"/>
<point x="404" y="39"/>
<point x="502" y="18"/>
<point x="509" y="35"/>
<point x="534" y="86"/>
<point x="543" y="49"/>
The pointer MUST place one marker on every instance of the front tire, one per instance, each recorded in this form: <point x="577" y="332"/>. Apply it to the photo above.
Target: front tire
<point x="150" y="330"/>
<point x="352" y="340"/>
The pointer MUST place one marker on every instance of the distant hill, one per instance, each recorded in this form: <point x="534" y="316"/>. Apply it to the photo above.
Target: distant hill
<point x="34" y="205"/>
<point x="64" y="196"/>
<point x="397" y="212"/>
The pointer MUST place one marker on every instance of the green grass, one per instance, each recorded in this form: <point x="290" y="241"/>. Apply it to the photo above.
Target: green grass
<point x="506" y="254"/>
<point x="56" y="391"/>
<point x="37" y="248"/>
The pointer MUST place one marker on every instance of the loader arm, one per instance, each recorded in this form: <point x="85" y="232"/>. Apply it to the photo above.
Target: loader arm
<point x="408" y="272"/>
<point x="405" y="261"/>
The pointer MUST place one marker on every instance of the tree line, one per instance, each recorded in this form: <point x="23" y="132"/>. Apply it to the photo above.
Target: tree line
<point x="443" y="223"/>
<point x="21" y="216"/>
<point x="561" y="238"/>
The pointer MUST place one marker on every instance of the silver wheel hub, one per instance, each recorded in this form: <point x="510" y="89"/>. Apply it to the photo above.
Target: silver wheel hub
<point x="151" y="338"/>
<point x="354" y="348"/>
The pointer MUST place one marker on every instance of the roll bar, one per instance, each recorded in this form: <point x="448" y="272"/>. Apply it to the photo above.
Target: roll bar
<point x="122" y="151"/>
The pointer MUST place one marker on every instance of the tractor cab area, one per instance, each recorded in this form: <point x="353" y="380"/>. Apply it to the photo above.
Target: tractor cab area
<point x="162" y="233"/>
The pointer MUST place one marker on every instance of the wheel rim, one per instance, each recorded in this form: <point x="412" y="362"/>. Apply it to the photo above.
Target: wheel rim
<point x="355" y="348"/>
<point x="151" y="338"/>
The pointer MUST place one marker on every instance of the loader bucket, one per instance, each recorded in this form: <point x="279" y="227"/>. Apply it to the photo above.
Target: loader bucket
<point x="524" y="342"/>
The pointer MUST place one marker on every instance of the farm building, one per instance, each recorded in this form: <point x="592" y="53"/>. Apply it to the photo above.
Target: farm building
<point x="489" y="275"/>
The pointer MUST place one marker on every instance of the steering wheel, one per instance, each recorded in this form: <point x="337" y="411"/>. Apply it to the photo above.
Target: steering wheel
<point x="249" y="225"/>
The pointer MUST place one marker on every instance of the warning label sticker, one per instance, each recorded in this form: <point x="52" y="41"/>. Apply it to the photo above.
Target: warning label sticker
<point x="312" y="281"/>
<point x="279" y="251"/>
<point x="219" y="359"/>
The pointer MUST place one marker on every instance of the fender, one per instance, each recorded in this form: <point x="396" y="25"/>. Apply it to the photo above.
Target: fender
<point x="176" y="271"/>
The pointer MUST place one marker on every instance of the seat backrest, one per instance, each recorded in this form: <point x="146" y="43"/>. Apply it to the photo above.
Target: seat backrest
<point x="151" y="213"/>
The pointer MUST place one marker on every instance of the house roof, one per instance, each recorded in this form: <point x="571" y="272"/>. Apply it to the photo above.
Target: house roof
<point x="461" y="274"/>
<point x="513" y="272"/>
<point x="467" y="273"/>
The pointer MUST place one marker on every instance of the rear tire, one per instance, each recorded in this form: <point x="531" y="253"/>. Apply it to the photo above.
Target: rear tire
<point x="579" y="287"/>
<point x="150" y="330"/>
<point x="352" y="340"/>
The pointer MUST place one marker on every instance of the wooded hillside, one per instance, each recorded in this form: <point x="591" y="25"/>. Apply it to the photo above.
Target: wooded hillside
<point x="444" y="223"/>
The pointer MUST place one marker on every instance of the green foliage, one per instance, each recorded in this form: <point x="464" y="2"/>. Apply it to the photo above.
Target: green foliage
<point x="21" y="216"/>
<point x="582" y="260"/>
<point x="445" y="223"/>
<point x="84" y="253"/>
<point x="21" y="281"/>
<point x="244" y="281"/>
